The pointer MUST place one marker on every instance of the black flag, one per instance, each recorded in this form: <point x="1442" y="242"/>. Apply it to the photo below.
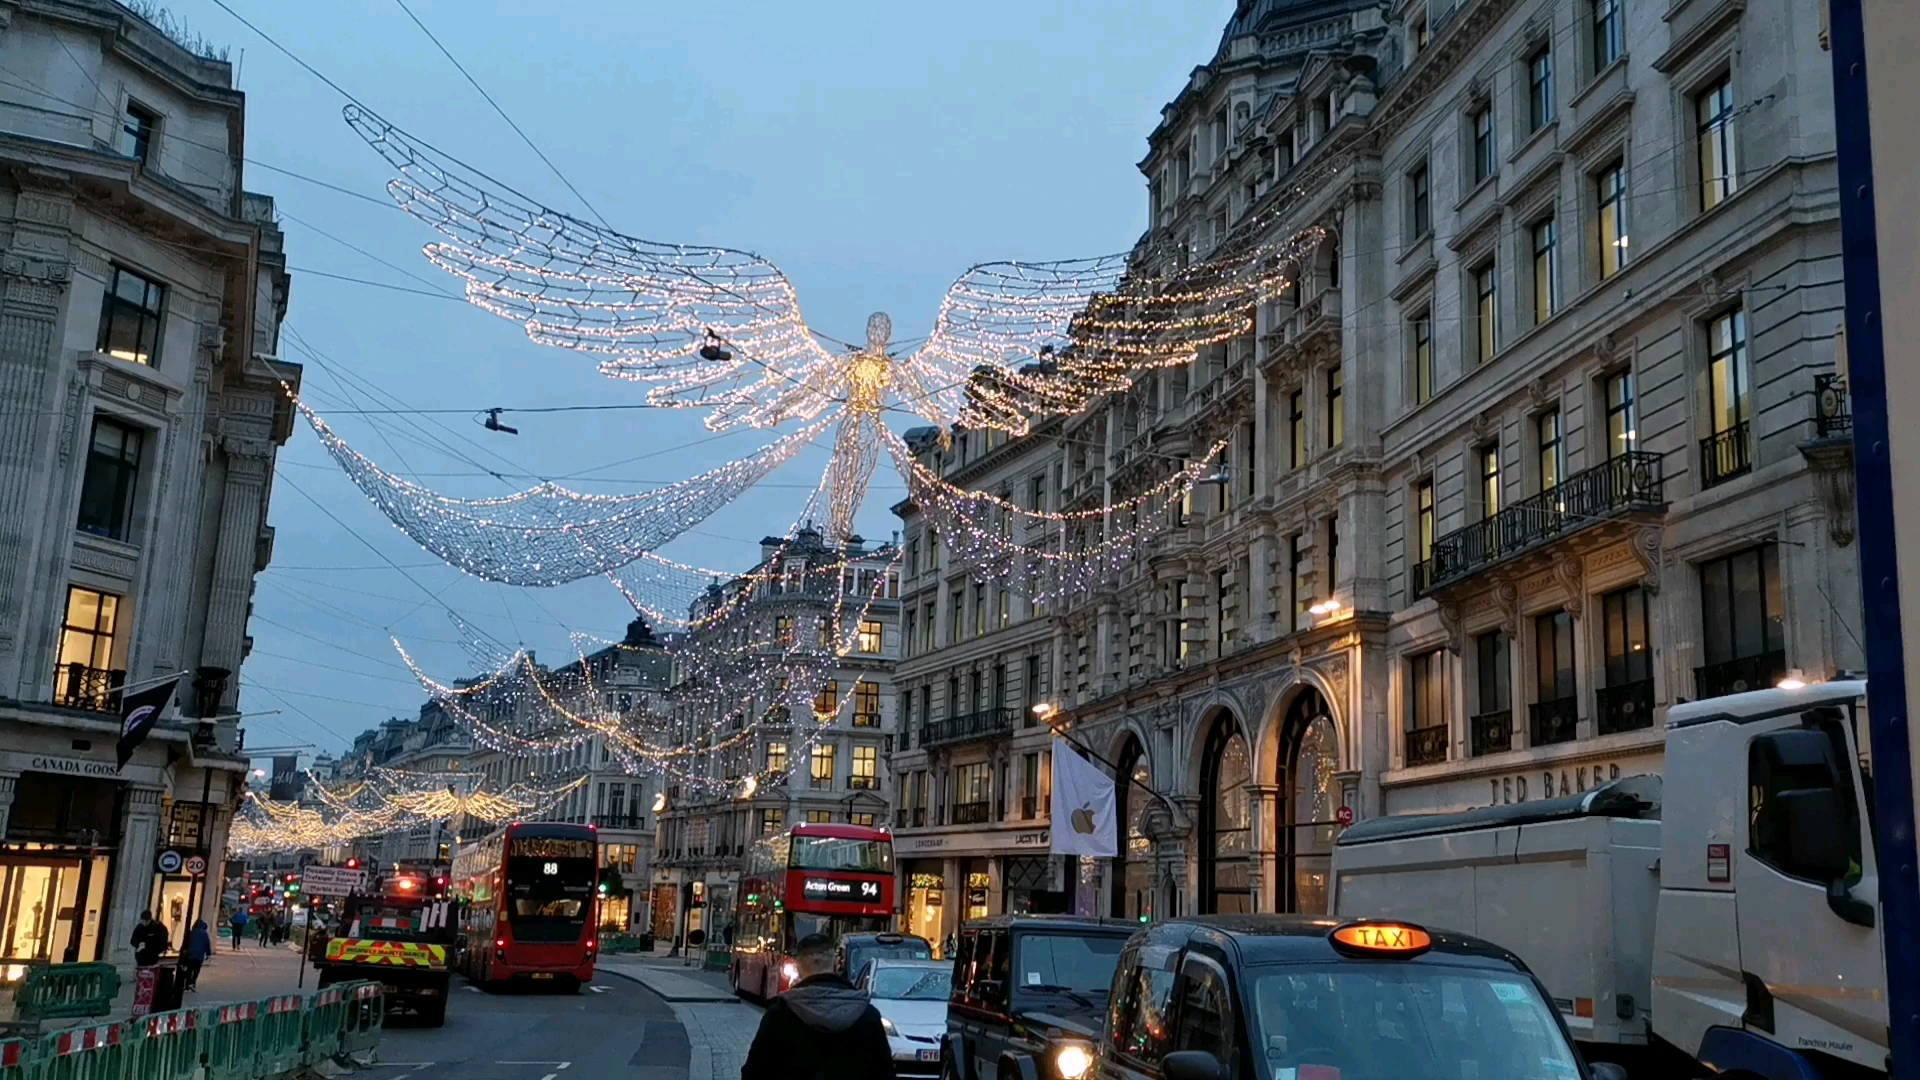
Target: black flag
<point x="139" y="712"/>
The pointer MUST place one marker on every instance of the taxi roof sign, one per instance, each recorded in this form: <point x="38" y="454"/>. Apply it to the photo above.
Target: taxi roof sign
<point x="1382" y="939"/>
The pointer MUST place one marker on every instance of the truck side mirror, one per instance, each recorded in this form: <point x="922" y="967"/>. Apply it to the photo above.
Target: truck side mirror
<point x="1816" y="830"/>
<point x="1193" y="1065"/>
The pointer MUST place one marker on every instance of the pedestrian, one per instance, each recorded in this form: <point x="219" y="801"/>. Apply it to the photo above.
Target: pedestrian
<point x="820" y="1028"/>
<point x="264" y="925"/>
<point x="239" y="926"/>
<point x="199" y="946"/>
<point x="149" y="940"/>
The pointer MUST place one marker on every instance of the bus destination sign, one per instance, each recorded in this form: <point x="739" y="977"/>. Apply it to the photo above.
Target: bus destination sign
<point x="840" y="889"/>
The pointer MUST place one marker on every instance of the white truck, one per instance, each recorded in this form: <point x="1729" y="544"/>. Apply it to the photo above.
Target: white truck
<point x="1729" y="912"/>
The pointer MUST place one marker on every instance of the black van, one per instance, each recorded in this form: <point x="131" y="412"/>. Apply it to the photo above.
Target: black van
<point x="1294" y="997"/>
<point x="1029" y="993"/>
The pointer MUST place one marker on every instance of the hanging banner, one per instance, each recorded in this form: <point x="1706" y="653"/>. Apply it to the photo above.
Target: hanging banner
<point x="1084" y="822"/>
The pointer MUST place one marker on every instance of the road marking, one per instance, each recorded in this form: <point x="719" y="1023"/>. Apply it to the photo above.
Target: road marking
<point x="549" y="1076"/>
<point x="474" y="990"/>
<point x="598" y="989"/>
<point x="555" y="1064"/>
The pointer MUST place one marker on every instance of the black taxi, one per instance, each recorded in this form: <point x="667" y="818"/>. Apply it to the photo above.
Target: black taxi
<point x="1029" y="995"/>
<point x="1288" y="997"/>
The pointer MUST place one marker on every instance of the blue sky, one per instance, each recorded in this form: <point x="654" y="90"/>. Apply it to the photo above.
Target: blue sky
<point x="872" y="151"/>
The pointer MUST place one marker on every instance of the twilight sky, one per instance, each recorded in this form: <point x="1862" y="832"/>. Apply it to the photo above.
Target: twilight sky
<point x="873" y="151"/>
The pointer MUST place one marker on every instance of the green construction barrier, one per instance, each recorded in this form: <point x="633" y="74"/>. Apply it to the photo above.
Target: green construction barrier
<point x="280" y="1021"/>
<point x="366" y="1016"/>
<point x="168" y="1046"/>
<point x="229" y="1040"/>
<point x="67" y="991"/>
<point x="99" y="1052"/>
<point x="17" y="1059"/>
<point x="322" y="1025"/>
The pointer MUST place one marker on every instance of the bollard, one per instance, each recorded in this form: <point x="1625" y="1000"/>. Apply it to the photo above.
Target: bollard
<point x="169" y="1045"/>
<point x="229" y="1041"/>
<point x="278" y="1022"/>
<point x="102" y="1052"/>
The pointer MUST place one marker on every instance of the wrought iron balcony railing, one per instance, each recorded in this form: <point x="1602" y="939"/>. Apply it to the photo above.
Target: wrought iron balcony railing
<point x="1427" y="745"/>
<point x="78" y="686"/>
<point x="1555" y="721"/>
<point x="970" y="813"/>
<point x="1493" y="732"/>
<point x="986" y="724"/>
<point x="1627" y="707"/>
<point x="1832" y="411"/>
<point x="1629" y="483"/>
<point x="636" y="822"/>
<point x="1739" y="675"/>
<point x="863" y="783"/>
<point x="1726" y="454"/>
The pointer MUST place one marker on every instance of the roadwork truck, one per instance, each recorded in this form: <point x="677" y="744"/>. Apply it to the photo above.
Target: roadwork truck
<point x="398" y="935"/>
<point x="1728" y="914"/>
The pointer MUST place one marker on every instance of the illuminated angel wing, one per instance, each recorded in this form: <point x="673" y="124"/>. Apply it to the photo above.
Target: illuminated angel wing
<point x="645" y="308"/>
<point x="991" y="359"/>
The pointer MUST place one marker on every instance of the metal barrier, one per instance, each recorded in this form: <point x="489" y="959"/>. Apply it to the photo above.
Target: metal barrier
<point x="66" y="991"/>
<point x="16" y="1059"/>
<point x="102" y="1052"/>
<point x="281" y="1034"/>
<point x="231" y="1039"/>
<point x="169" y="1045"/>
<point x="365" y="1018"/>
<point x="322" y="1024"/>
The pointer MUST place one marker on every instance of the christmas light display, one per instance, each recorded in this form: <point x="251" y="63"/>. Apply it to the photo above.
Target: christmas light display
<point x="385" y="800"/>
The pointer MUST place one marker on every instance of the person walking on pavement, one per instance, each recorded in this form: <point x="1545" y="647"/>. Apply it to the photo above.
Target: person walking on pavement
<point x="264" y="925"/>
<point x="149" y="941"/>
<point x="821" y="1028"/>
<point x="239" y="926"/>
<point x="199" y="946"/>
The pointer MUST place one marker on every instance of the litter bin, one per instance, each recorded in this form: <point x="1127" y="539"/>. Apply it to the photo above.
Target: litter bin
<point x="169" y="988"/>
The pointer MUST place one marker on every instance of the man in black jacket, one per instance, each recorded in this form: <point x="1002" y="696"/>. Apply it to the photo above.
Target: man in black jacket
<point x="821" y="1028"/>
<point x="149" y="940"/>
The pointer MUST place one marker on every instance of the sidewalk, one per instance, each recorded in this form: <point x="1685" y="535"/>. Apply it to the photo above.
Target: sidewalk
<point x="720" y="1027"/>
<point x="252" y="973"/>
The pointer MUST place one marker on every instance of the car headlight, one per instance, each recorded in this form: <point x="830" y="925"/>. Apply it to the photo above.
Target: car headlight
<point x="1072" y="1061"/>
<point x="886" y="1025"/>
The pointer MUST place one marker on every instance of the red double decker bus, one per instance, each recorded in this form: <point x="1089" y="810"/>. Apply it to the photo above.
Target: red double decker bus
<point x="527" y="911"/>
<point x="811" y="879"/>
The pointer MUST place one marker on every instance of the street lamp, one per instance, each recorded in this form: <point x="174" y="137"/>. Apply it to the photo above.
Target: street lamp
<point x="1045" y="709"/>
<point x="1325" y="607"/>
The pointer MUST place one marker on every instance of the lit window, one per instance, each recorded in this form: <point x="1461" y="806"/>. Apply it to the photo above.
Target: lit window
<point x="821" y="771"/>
<point x="827" y="703"/>
<point x="1489" y="459"/>
<point x="866" y="704"/>
<point x="1611" y="193"/>
<point x="1622" y="427"/>
<point x="1718" y="176"/>
<point x="1486" y="312"/>
<point x="84" y="678"/>
<point x="1425" y="520"/>
<point x="870" y="636"/>
<point x="1420" y="328"/>
<point x="1336" y="410"/>
<point x="866" y="767"/>
<point x="1553" y="449"/>
<point x="1546" y="271"/>
<point x="777" y="757"/>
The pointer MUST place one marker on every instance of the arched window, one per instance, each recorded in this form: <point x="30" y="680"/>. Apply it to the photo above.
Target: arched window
<point x="1132" y="872"/>
<point x="1310" y="791"/>
<point x="1226" y="821"/>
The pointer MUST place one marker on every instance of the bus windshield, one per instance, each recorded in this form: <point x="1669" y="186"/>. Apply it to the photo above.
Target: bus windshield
<point x="833" y="853"/>
<point x="549" y="888"/>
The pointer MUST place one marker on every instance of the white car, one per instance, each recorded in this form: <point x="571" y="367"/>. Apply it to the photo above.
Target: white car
<point x="911" y="996"/>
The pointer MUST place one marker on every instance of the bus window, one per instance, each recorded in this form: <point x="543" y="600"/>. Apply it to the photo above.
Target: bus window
<point x="801" y="924"/>
<point x="548" y="897"/>
<point x="834" y="853"/>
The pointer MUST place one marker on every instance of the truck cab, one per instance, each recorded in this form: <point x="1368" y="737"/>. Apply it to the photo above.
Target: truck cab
<point x="1767" y="955"/>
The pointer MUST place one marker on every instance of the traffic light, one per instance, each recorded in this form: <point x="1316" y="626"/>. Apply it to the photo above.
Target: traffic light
<point x="293" y="889"/>
<point x="603" y="888"/>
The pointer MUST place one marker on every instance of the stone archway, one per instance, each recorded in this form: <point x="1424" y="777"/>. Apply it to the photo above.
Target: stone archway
<point x="1307" y="796"/>
<point x="1225" y="830"/>
<point x="1131" y="885"/>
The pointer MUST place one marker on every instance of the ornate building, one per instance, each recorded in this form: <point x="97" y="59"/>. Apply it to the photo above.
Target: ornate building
<point x="1550" y="435"/>
<point x="141" y="294"/>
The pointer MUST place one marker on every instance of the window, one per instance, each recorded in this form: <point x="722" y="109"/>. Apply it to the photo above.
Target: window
<point x="1220" y="598"/>
<point x="772" y="821"/>
<point x="827" y="703"/>
<point x="113" y="467"/>
<point x="1004" y="600"/>
<point x="1609" y="33"/>
<point x="860" y="818"/>
<point x="1728" y="400"/>
<point x="871" y="635"/>
<point x="1552" y="448"/>
<point x="1421" y="37"/>
<point x="819" y="817"/>
<point x="1743" y="638"/>
<point x="1719" y="176"/>
<point x="1546" y="272"/>
<point x="1486" y="319"/>
<point x="1489" y="469"/>
<point x="783" y="629"/>
<point x="829" y="635"/>
<point x="1030" y="787"/>
<point x="926" y="631"/>
<point x="866" y="767"/>
<point x="1205" y="1020"/>
<point x="1483" y="151"/>
<point x="1626" y="701"/>
<point x="1426" y="708"/>
<point x="971" y="793"/>
<point x="777" y="758"/>
<point x="1540" y="90"/>
<point x="822" y="768"/>
<point x="1336" y="410"/>
<point x="1556" y="708"/>
<point x="907" y="639"/>
<point x="1296" y="430"/>
<point x="959" y="616"/>
<point x="130" y="318"/>
<point x="866" y="704"/>
<point x="1493" y="661"/>
<point x="1622" y="429"/>
<point x="979" y="610"/>
<point x="1419" y="202"/>
<point x="1333" y="553"/>
<point x="137" y="129"/>
<point x="1424" y="519"/>
<point x="86" y="642"/>
<point x="1420" y="329"/>
<point x="1611" y="191"/>
<point x="1302" y="572"/>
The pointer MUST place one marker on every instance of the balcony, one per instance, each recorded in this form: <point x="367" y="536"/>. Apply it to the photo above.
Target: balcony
<point x="1555" y="721"/>
<point x="1427" y="745"/>
<point x="1627" y="707"/>
<point x="863" y="783"/>
<point x="986" y="724"/>
<point x="1739" y="675"/>
<point x="1032" y="807"/>
<point x="1832" y="411"/>
<point x="1726" y="454"/>
<point x="77" y="686"/>
<point x="635" y="822"/>
<point x="971" y="813"/>
<point x="1628" y="484"/>
<point x="866" y="719"/>
<point x="1492" y="732"/>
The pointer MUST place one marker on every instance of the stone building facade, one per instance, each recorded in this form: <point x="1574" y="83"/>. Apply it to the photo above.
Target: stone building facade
<point x="1550" y="434"/>
<point x="141" y="294"/>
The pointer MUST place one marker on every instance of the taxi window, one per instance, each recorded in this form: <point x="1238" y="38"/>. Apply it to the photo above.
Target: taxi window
<point x="1205" y="1019"/>
<point x="963" y="967"/>
<point x="1405" y="1022"/>
<point x="997" y="963"/>
<point x="1147" y="1033"/>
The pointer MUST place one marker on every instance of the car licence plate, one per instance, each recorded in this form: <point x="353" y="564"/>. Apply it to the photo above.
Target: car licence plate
<point x="543" y="974"/>
<point x="929" y="1055"/>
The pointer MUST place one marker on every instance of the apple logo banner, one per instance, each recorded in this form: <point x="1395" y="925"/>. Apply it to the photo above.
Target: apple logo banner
<point x="1079" y="784"/>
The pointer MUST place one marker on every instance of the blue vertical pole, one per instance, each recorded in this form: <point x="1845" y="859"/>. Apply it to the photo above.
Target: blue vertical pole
<point x="1879" y="557"/>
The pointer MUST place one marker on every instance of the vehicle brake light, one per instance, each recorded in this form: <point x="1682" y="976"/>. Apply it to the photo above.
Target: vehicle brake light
<point x="500" y="943"/>
<point x="1583" y="1008"/>
<point x="1382" y="939"/>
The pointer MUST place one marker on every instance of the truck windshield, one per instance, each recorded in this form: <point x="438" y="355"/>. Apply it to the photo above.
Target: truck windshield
<point x="1407" y="1022"/>
<point x="833" y="853"/>
<point x="547" y="898"/>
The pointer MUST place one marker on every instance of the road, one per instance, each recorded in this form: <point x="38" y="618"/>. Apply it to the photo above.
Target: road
<point x="614" y="1029"/>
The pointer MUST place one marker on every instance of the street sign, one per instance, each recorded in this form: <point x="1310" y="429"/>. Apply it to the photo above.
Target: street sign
<point x="169" y="861"/>
<point x="331" y="881"/>
<point x="196" y="865"/>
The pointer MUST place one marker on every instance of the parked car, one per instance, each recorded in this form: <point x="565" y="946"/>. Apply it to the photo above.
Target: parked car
<point x="1029" y="994"/>
<point x="911" y="996"/>
<point x="856" y="949"/>
<point x="1312" y="998"/>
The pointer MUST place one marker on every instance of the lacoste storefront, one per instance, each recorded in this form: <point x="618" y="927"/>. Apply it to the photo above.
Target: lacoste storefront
<point x="952" y="875"/>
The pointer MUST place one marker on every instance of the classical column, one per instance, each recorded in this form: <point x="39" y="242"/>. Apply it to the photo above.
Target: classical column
<point x="133" y="877"/>
<point x="1268" y="892"/>
<point x="953" y="899"/>
<point x="248" y="462"/>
